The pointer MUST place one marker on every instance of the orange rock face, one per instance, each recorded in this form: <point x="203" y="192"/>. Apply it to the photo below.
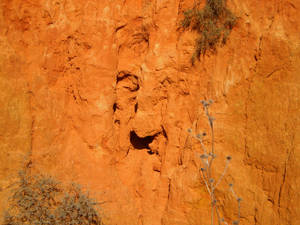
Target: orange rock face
<point x="102" y="93"/>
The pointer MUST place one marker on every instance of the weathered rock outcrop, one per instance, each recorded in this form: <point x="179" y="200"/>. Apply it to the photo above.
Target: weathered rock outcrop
<point x="102" y="93"/>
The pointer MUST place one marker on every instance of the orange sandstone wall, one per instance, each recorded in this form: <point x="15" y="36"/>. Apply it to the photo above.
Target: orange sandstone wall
<point x="102" y="93"/>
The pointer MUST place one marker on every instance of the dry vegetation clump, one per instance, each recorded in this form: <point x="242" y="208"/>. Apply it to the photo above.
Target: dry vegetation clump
<point x="213" y="23"/>
<point x="41" y="200"/>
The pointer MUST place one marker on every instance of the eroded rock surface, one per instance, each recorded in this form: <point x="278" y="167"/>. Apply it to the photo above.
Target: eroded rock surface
<point x="102" y="93"/>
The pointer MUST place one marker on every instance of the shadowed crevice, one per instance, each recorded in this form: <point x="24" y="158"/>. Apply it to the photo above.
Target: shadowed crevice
<point x="115" y="107"/>
<point x="164" y="133"/>
<point x="140" y="143"/>
<point x="131" y="81"/>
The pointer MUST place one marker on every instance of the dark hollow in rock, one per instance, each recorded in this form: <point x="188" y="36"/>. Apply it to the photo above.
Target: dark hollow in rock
<point x="140" y="143"/>
<point x="134" y="81"/>
<point x="150" y="152"/>
<point x="115" y="106"/>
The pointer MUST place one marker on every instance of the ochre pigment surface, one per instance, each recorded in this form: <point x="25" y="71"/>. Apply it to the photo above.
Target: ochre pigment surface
<point x="102" y="92"/>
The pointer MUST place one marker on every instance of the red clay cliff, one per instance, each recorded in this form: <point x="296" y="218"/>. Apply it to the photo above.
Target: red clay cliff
<point x="103" y="92"/>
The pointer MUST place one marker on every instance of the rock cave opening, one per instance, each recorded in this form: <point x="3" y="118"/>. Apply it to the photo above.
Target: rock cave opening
<point x="141" y="143"/>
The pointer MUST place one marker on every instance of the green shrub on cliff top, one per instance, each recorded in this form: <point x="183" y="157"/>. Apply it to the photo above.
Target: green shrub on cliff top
<point x="213" y="23"/>
<point x="41" y="200"/>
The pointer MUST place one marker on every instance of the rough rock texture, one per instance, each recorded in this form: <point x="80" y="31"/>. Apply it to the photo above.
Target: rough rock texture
<point x="102" y="93"/>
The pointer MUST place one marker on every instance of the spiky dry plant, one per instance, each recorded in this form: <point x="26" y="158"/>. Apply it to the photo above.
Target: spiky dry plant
<point x="207" y="159"/>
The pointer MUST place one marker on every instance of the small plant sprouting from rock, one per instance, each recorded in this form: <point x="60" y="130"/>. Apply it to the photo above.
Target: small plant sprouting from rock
<point x="207" y="158"/>
<point x="40" y="200"/>
<point x="213" y="23"/>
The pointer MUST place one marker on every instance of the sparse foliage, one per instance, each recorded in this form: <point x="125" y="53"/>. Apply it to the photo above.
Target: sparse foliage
<point x="40" y="200"/>
<point x="77" y="206"/>
<point x="207" y="158"/>
<point x="213" y="23"/>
